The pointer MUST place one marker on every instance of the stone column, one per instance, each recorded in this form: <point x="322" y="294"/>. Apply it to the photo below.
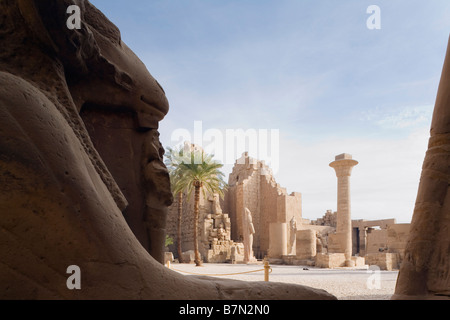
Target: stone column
<point x="343" y="166"/>
<point x="277" y="240"/>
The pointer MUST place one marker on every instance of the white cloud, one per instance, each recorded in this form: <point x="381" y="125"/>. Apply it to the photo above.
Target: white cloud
<point x="402" y="118"/>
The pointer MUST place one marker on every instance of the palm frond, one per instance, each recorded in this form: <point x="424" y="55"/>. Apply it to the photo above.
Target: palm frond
<point x="188" y="166"/>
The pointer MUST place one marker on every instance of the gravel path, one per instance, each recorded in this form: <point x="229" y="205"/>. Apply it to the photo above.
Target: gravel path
<point x="344" y="283"/>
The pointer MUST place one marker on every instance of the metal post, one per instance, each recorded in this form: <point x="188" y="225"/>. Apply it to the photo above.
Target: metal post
<point x="266" y="271"/>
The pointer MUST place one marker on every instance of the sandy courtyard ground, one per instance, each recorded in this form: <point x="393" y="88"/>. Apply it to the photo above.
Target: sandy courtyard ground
<point x="344" y="283"/>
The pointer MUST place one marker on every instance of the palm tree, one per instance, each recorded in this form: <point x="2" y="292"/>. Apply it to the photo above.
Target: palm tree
<point x="173" y="159"/>
<point x="198" y="172"/>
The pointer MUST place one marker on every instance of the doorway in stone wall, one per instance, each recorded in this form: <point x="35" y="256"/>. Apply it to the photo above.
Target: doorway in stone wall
<point x="356" y="244"/>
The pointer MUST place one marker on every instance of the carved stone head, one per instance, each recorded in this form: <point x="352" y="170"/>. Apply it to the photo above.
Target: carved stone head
<point x="99" y="68"/>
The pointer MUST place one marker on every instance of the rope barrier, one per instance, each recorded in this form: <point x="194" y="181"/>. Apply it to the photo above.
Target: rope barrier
<point x="217" y="275"/>
<point x="267" y="269"/>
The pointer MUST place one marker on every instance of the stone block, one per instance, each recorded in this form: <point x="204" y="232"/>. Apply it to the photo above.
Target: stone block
<point x="237" y="253"/>
<point x="344" y="156"/>
<point x="277" y="240"/>
<point x="386" y="261"/>
<point x="189" y="256"/>
<point x="276" y="261"/>
<point x="213" y="257"/>
<point x="306" y="244"/>
<point x="359" y="261"/>
<point x="332" y="260"/>
<point x="289" y="259"/>
<point x="335" y="243"/>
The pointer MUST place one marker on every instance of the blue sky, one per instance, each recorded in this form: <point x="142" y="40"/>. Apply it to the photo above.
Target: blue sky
<point x="313" y="71"/>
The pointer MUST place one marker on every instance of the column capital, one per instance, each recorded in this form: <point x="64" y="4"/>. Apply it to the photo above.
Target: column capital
<point x="343" y="165"/>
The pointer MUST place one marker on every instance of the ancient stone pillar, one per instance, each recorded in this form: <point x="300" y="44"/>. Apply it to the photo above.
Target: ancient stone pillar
<point x="277" y="240"/>
<point x="343" y="166"/>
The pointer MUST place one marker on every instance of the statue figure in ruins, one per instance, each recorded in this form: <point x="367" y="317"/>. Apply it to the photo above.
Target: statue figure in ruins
<point x="216" y="209"/>
<point x="249" y="230"/>
<point x="82" y="174"/>
<point x="292" y="236"/>
<point x="319" y="243"/>
<point x="221" y="233"/>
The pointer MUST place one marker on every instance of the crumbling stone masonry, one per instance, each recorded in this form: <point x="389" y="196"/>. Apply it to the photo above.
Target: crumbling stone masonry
<point x="252" y="186"/>
<point x="215" y="244"/>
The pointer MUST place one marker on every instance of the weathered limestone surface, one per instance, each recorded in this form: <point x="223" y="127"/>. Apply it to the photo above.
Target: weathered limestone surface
<point x="62" y="200"/>
<point x="397" y="236"/>
<point x="306" y="244"/>
<point x="253" y="186"/>
<point x="386" y="261"/>
<point x="278" y="244"/>
<point x="330" y="260"/>
<point x="214" y="228"/>
<point x="425" y="271"/>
